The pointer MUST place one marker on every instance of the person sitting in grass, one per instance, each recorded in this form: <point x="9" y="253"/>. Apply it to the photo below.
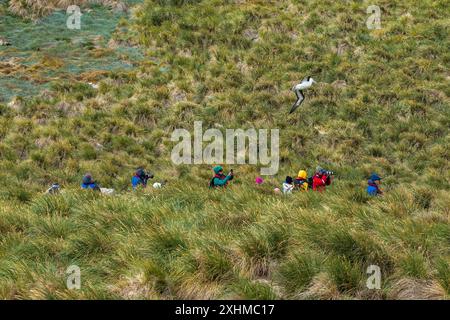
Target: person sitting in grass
<point x="301" y="182"/>
<point x="89" y="183"/>
<point x="140" y="178"/>
<point x="373" y="188"/>
<point x="219" y="179"/>
<point x="288" y="185"/>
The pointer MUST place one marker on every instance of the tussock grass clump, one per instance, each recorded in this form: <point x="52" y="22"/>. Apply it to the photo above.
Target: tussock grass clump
<point x="346" y="275"/>
<point x="443" y="269"/>
<point x="48" y="205"/>
<point x="245" y="289"/>
<point x="297" y="272"/>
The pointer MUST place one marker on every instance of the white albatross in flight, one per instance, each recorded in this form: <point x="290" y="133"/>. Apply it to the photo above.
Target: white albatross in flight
<point x="298" y="89"/>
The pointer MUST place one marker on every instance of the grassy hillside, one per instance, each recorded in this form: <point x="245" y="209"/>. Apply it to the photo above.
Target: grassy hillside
<point x="381" y="104"/>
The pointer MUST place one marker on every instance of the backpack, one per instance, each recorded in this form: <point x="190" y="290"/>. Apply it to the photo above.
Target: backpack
<point x="310" y="182"/>
<point x="211" y="183"/>
<point x="301" y="185"/>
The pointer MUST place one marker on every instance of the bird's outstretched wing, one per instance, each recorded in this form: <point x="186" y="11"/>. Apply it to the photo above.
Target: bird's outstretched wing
<point x="300" y="98"/>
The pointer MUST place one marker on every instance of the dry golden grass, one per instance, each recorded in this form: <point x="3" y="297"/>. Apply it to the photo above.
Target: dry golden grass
<point x="38" y="8"/>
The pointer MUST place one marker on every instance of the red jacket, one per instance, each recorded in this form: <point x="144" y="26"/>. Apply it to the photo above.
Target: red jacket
<point x="319" y="182"/>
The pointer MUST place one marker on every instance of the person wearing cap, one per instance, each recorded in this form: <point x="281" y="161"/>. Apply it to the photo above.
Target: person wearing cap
<point x="301" y="182"/>
<point x="288" y="185"/>
<point x="373" y="188"/>
<point x="140" y="178"/>
<point x="89" y="183"/>
<point x="219" y="179"/>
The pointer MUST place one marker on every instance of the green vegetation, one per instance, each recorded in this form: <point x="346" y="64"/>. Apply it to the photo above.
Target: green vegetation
<point x="45" y="51"/>
<point x="34" y="9"/>
<point x="381" y="104"/>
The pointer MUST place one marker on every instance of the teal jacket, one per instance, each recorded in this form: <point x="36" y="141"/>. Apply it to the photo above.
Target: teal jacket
<point x="220" y="180"/>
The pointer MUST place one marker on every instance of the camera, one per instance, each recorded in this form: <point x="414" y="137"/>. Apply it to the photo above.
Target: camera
<point x="148" y="176"/>
<point x="327" y="172"/>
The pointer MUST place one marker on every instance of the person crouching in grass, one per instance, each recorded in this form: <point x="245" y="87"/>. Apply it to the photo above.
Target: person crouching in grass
<point x="89" y="183"/>
<point x="321" y="179"/>
<point x="301" y="182"/>
<point x="219" y="179"/>
<point x="140" y="178"/>
<point x="373" y="187"/>
<point x="288" y="185"/>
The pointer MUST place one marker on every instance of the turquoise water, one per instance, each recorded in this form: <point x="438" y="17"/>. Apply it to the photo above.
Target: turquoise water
<point x="50" y="40"/>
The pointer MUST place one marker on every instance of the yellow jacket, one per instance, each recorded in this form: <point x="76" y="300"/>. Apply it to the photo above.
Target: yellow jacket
<point x="300" y="181"/>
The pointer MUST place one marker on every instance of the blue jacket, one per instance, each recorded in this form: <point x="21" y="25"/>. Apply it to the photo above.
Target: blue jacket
<point x="136" y="181"/>
<point x="89" y="186"/>
<point x="372" y="189"/>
